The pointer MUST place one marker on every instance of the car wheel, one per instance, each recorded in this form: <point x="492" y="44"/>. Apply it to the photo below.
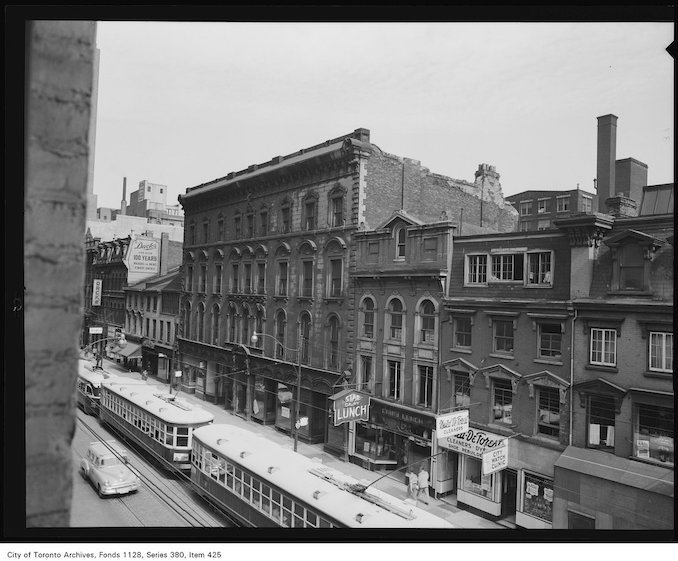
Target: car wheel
<point x="99" y="491"/>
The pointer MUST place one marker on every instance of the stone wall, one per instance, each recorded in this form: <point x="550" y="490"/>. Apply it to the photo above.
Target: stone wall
<point x="59" y="82"/>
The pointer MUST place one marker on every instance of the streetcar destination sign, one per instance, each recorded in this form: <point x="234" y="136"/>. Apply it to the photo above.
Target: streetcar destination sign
<point x="350" y="405"/>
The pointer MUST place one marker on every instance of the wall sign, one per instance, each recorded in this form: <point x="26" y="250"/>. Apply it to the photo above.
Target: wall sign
<point x="451" y="424"/>
<point x="143" y="255"/>
<point x="473" y="442"/>
<point x="96" y="292"/>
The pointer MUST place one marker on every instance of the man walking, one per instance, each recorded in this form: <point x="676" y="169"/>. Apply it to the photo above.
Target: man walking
<point x="422" y="483"/>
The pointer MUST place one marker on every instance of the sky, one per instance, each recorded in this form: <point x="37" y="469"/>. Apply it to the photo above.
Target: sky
<point x="183" y="103"/>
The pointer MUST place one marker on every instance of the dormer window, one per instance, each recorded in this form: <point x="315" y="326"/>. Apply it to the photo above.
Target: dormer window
<point x="631" y="267"/>
<point x="401" y="237"/>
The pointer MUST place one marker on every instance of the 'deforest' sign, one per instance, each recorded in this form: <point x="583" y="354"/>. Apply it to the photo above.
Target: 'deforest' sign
<point x="473" y="442"/>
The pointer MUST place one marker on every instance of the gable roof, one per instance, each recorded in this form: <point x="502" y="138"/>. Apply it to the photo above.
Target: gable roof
<point x="400" y="215"/>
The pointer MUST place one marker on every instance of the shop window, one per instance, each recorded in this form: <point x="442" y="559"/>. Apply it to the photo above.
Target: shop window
<point x="368" y="318"/>
<point x="538" y="497"/>
<point x="375" y="443"/>
<point x="525" y="208"/>
<point x="577" y="521"/>
<point x="503" y="336"/>
<point x="476" y="269"/>
<point x="548" y="411"/>
<point x="550" y="341"/>
<point x="396" y="319"/>
<point x="425" y="386"/>
<point x="365" y="372"/>
<point x="401" y="239"/>
<point x="603" y="347"/>
<point x="394" y="367"/>
<point x="474" y="480"/>
<point x="427" y="313"/>
<point x="502" y="401"/>
<point x="507" y="267"/>
<point x="600" y="425"/>
<point x="661" y="351"/>
<point x="539" y="268"/>
<point x="653" y="437"/>
<point x="462" y="327"/>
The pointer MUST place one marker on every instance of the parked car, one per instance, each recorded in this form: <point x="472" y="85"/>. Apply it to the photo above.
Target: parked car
<point x="105" y="465"/>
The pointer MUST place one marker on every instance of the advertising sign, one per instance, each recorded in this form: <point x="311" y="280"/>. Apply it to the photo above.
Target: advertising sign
<point x="96" y="292"/>
<point x="451" y="423"/>
<point x="143" y="255"/>
<point x="96" y="330"/>
<point x="350" y="405"/>
<point x="495" y="459"/>
<point x="473" y="442"/>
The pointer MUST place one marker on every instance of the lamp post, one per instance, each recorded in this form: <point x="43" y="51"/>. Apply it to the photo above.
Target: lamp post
<point x="119" y="338"/>
<point x="297" y="412"/>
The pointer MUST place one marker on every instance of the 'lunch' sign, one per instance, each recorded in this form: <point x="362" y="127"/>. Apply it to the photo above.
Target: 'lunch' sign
<point x="350" y="405"/>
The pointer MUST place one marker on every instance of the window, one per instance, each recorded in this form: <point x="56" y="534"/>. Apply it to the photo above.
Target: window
<point x="502" y="402"/>
<point x="237" y="225"/>
<point x="653" y="437"/>
<point x="201" y="322"/>
<point x="539" y="268"/>
<point x="393" y="379"/>
<point x="548" y="411"/>
<point x="263" y="223"/>
<point x="661" y="351"/>
<point x="307" y="279"/>
<point x="235" y="270"/>
<point x="280" y="326"/>
<point x="401" y="238"/>
<point x="248" y="278"/>
<point x="543" y="225"/>
<point x="577" y="521"/>
<point x="335" y="277"/>
<point x="462" y="332"/>
<point x="563" y="204"/>
<point x="220" y="229"/>
<point x="245" y="330"/>
<point x="249" y="221"/>
<point x="600" y="422"/>
<point x="396" y="319"/>
<point x="261" y="278"/>
<point x="202" y="280"/>
<point x="507" y="267"/>
<point x="337" y="211"/>
<point x="603" y="346"/>
<point x="550" y="340"/>
<point x="368" y="318"/>
<point x="365" y="372"/>
<point x="285" y="219"/>
<point x="231" y="322"/>
<point x="462" y="389"/>
<point x="206" y="232"/>
<point x="215" y="325"/>
<point x="191" y="233"/>
<point x="428" y="322"/>
<point x="217" y="278"/>
<point x="525" y="226"/>
<point x="282" y="278"/>
<point x="333" y="347"/>
<point x="309" y="215"/>
<point x="542" y="206"/>
<point x="425" y="386"/>
<point x="154" y="328"/>
<point x="538" y="497"/>
<point x="503" y="336"/>
<point x="305" y="338"/>
<point x="586" y="204"/>
<point x="631" y="267"/>
<point x="525" y="208"/>
<point x="189" y="278"/>
<point x="477" y="269"/>
<point x="259" y="326"/>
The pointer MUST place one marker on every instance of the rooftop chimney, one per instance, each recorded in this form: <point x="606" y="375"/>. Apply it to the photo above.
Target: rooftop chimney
<point x="607" y="155"/>
<point x="164" y="253"/>
<point x="123" y="203"/>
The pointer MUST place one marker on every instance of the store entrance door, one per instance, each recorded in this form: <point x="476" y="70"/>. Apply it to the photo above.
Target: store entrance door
<point x="509" y="485"/>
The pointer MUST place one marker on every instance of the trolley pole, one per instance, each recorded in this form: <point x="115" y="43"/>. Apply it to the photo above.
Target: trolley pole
<point x="297" y="405"/>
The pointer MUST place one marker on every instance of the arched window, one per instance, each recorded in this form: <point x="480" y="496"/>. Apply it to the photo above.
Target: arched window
<point x="427" y="313"/>
<point x="187" y="320"/>
<point x="201" y="322"/>
<point x="401" y="237"/>
<point x="245" y="330"/>
<point x="333" y="343"/>
<point x="280" y="330"/>
<point x="259" y="327"/>
<point x="305" y="337"/>
<point x="215" y="324"/>
<point x="395" y="309"/>
<point x="232" y="313"/>
<point x="368" y="318"/>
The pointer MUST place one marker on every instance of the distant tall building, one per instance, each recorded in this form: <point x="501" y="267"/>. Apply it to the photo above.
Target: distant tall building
<point x="150" y="201"/>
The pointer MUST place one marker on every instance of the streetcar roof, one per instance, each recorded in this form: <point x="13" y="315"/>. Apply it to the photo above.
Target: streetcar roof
<point x="157" y="402"/>
<point x="304" y="478"/>
<point x="94" y="377"/>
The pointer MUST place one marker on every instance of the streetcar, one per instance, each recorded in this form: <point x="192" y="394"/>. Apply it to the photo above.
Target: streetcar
<point x="88" y="393"/>
<point x="261" y="484"/>
<point x="157" y="422"/>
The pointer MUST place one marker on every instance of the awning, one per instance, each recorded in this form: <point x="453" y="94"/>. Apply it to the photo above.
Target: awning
<point x="594" y="463"/>
<point x="128" y="351"/>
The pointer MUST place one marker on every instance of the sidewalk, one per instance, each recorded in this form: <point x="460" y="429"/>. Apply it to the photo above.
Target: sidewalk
<point x="444" y="508"/>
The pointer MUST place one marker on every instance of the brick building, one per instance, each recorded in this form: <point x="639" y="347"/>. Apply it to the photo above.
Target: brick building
<point x="269" y="249"/>
<point x="538" y="209"/>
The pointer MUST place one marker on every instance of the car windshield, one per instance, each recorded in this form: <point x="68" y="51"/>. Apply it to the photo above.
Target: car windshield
<point x="109" y="461"/>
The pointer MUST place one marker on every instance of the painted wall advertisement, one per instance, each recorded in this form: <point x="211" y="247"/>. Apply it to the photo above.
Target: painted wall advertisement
<point x="350" y="405"/>
<point x="473" y="442"/>
<point x="143" y="255"/>
<point x="96" y="292"/>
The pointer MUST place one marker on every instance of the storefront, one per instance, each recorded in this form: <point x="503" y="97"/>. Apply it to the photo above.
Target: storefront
<point x="156" y="359"/>
<point x="393" y="437"/>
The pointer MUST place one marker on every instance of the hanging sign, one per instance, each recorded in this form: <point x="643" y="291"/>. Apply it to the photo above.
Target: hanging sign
<point x="496" y="459"/>
<point x="350" y="405"/>
<point x="96" y="292"/>
<point x="451" y="424"/>
<point x="472" y="442"/>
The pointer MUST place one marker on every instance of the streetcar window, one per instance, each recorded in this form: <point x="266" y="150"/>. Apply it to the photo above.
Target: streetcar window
<point x="311" y="519"/>
<point x="275" y="514"/>
<point x="265" y="491"/>
<point x="182" y="436"/>
<point x="324" y="523"/>
<point x="266" y="505"/>
<point x="298" y="516"/>
<point x="275" y="497"/>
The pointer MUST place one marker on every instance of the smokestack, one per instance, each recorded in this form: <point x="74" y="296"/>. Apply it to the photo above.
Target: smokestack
<point x="607" y="155"/>
<point x="123" y="203"/>
<point x="164" y="252"/>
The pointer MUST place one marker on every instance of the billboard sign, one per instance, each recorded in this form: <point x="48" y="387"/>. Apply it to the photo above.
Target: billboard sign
<point x="143" y="255"/>
<point x="496" y="459"/>
<point x="350" y="405"/>
<point x="451" y="423"/>
<point x="96" y="292"/>
<point x="473" y="442"/>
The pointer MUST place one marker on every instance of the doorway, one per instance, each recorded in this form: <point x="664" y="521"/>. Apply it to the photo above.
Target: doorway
<point x="509" y="486"/>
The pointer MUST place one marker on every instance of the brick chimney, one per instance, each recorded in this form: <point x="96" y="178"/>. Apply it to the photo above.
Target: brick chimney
<point x="607" y="155"/>
<point x="164" y="253"/>
<point x="621" y="206"/>
<point x="123" y="203"/>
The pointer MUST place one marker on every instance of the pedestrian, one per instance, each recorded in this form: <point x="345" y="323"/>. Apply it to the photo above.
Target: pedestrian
<point x="144" y="374"/>
<point x="412" y="484"/>
<point x="422" y="482"/>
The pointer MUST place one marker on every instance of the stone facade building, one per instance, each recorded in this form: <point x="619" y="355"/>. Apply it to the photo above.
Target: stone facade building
<point x="270" y="249"/>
